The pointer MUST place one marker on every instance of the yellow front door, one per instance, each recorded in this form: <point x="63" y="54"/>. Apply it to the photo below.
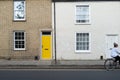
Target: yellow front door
<point x="46" y="46"/>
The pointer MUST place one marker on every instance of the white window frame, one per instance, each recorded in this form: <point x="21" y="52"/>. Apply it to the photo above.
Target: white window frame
<point x="20" y="40"/>
<point x="86" y="23"/>
<point x="89" y="43"/>
<point x="16" y="19"/>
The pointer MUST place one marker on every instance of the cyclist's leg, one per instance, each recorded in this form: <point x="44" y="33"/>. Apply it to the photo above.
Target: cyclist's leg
<point x="116" y="59"/>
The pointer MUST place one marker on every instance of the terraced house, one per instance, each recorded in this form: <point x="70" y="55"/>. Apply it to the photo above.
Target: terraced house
<point x="58" y="29"/>
<point x="25" y="29"/>
<point x="86" y="29"/>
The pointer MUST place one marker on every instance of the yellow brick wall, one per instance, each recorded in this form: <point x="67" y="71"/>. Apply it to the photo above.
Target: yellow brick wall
<point x="38" y="17"/>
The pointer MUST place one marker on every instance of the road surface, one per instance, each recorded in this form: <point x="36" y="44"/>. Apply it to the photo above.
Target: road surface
<point x="60" y="74"/>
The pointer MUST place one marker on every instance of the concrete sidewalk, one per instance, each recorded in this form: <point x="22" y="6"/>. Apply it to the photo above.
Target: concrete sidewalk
<point x="64" y="64"/>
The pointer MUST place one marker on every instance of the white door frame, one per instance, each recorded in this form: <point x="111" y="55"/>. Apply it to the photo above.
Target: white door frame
<point x="110" y="39"/>
<point x="45" y="30"/>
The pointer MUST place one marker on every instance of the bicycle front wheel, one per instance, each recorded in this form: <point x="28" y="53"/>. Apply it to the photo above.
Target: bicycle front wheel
<point x="109" y="64"/>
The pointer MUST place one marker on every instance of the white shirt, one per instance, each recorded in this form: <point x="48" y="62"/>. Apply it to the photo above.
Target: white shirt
<point x="115" y="52"/>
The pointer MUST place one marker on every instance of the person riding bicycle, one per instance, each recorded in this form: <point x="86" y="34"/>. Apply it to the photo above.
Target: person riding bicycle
<point x="115" y="52"/>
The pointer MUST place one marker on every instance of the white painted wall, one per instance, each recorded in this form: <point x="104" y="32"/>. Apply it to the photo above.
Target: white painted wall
<point x="105" y="19"/>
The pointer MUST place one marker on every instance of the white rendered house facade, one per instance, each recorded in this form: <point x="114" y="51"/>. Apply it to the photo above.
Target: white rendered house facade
<point x="85" y="30"/>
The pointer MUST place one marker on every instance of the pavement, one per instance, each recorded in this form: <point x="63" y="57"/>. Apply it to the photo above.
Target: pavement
<point x="60" y="64"/>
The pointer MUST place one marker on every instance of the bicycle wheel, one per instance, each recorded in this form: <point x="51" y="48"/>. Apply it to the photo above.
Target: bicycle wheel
<point x="109" y="64"/>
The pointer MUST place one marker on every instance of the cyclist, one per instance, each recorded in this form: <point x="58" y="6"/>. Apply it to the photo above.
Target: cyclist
<point x="115" y="52"/>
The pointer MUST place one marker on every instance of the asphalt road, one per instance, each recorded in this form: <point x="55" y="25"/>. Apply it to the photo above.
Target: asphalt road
<point x="52" y="74"/>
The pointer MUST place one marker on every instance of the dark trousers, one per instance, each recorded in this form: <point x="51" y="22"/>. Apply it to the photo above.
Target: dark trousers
<point x="117" y="58"/>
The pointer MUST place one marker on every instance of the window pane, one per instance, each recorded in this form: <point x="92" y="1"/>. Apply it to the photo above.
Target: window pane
<point x="22" y="42"/>
<point x="22" y="33"/>
<point x="22" y="46"/>
<point x="19" y="5"/>
<point x="82" y="13"/>
<point x="16" y="46"/>
<point x="77" y="46"/>
<point x="19" y="14"/>
<point x="16" y="42"/>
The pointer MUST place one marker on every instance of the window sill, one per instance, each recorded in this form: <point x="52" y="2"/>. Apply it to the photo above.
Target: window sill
<point x="19" y="20"/>
<point x="83" y="51"/>
<point x="82" y="23"/>
<point x="19" y="49"/>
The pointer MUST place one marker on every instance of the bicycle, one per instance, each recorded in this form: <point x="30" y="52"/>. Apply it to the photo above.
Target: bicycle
<point x="110" y="64"/>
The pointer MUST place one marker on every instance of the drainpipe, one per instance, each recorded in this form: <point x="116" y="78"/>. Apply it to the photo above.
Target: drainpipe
<point x="55" y="31"/>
